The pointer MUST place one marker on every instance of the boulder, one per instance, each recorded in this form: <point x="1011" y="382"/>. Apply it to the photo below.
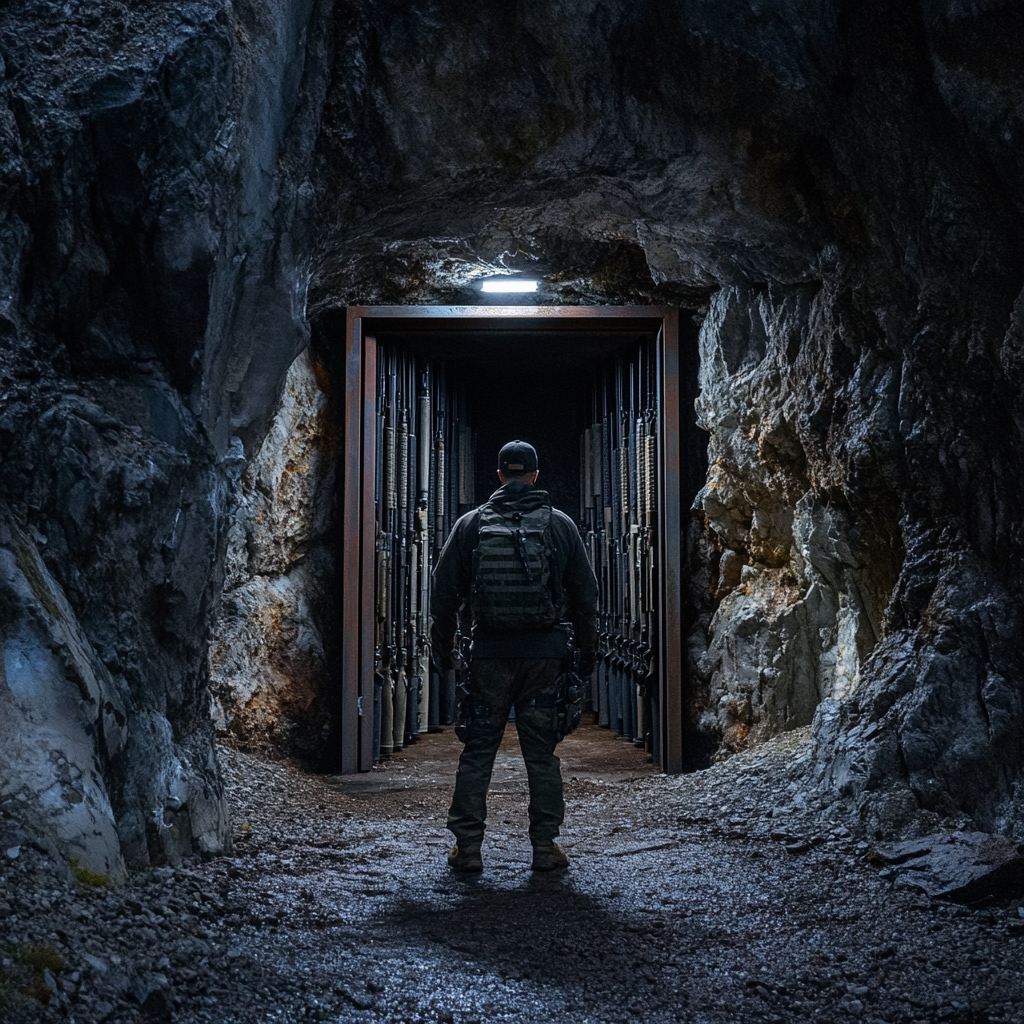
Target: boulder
<point x="961" y="867"/>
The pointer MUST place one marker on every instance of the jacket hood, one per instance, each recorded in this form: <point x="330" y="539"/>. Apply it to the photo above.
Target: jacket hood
<point x="519" y="496"/>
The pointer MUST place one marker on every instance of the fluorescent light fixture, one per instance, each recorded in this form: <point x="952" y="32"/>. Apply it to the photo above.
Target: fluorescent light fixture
<point x="509" y="284"/>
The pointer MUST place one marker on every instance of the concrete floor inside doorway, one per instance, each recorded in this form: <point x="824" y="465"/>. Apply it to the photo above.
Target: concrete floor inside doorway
<point x="729" y="895"/>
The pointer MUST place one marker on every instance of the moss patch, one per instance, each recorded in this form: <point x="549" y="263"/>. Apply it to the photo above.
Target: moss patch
<point x="87" y="878"/>
<point x="27" y="978"/>
<point x="26" y="562"/>
<point x="40" y="958"/>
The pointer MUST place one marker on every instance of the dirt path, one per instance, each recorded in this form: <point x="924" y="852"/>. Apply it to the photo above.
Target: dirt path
<point x="682" y="903"/>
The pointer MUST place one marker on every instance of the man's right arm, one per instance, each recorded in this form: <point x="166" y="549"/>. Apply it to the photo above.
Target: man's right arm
<point x="451" y="583"/>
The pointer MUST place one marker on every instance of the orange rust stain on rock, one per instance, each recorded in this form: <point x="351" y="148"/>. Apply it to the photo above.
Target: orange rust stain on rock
<point x="736" y="738"/>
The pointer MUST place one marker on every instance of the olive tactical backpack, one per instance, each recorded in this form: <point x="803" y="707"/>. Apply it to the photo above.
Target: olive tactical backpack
<point x="512" y="570"/>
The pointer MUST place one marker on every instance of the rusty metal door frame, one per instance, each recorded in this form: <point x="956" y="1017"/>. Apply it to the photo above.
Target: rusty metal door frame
<point x="363" y="324"/>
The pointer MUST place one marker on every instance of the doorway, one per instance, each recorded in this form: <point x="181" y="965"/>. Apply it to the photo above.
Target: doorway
<point x="430" y="395"/>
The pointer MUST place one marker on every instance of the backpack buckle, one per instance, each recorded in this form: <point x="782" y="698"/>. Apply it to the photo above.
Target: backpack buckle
<point x="524" y="555"/>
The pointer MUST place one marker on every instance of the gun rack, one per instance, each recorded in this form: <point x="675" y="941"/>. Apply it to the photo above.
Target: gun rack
<point x="430" y="395"/>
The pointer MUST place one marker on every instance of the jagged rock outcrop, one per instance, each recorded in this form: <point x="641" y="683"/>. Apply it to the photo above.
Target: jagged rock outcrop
<point x="861" y="582"/>
<point x="151" y="284"/>
<point x="799" y="607"/>
<point x="962" y="867"/>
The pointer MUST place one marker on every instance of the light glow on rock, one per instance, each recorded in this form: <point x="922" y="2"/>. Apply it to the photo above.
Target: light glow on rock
<point x="511" y="284"/>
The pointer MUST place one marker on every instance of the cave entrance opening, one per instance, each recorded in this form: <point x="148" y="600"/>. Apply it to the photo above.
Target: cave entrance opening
<point x="431" y="393"/>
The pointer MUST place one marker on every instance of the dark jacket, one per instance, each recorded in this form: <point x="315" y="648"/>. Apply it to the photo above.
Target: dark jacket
<point x="573" y="584"/>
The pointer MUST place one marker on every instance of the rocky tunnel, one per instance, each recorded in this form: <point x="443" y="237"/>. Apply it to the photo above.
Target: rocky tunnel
<point x="192" y="196"/>
<point x="780" y="306"/>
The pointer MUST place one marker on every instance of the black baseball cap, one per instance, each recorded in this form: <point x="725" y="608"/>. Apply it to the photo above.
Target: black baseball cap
<point x="517" y="457"/>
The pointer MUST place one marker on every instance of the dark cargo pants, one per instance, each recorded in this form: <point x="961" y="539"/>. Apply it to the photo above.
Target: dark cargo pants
<point x="495" y="686"/>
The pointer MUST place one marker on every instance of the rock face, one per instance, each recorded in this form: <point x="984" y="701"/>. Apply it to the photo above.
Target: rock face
<point x="835" y="188"/>
<point x="793" y="623"/>
<point x="269" y="673"/>
<point x="150" y="305"/>
<point x="57" y="698"/>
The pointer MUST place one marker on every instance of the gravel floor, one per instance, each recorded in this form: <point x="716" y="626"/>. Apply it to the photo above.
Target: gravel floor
<point x="727" y="895"/>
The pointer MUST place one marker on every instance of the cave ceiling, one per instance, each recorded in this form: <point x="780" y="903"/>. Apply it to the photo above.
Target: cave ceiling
<point x="625" y="150"/>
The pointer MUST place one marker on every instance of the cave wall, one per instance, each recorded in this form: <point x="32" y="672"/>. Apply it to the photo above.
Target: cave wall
<point x="834" y="186"/>
<point x="270" y="659"/>
<point x="153" y="275"/>
<point x="795" y="615"/>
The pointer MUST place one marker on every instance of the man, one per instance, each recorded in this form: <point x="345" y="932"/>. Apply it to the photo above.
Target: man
<point x="522" y="568"/>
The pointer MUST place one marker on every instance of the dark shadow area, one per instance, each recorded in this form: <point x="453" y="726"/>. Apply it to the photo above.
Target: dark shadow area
<point x="544" y="930"/>
<point x="538" y="387"/>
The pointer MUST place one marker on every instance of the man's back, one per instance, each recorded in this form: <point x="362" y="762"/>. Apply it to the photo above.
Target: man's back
<point x="572" y="586"/>
<point x="529" y="569"/>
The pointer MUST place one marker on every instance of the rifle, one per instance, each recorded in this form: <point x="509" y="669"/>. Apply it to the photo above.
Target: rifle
<point x="401" y="533"/>
<point x="434" y="709"/>
<point x="382" y="743"/>
<point x="423" y="561"/>
<point x="568" y="690"/>
<point x="648" y="429"/>
<point x="412" y="607"/>
<point x="619" y="700"/>
<point x="631" y="528"/>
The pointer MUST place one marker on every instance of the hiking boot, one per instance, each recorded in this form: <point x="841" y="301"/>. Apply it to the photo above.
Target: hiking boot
<point x="549" y="857"/>
<point x="465" y="858"/>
